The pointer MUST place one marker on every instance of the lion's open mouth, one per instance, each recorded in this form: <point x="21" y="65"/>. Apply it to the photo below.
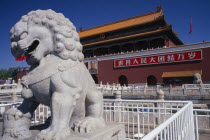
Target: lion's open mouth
<point x="31" y="48"/>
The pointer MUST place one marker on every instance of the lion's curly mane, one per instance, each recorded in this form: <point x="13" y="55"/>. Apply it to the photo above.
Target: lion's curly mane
<point x="66" y="39"/>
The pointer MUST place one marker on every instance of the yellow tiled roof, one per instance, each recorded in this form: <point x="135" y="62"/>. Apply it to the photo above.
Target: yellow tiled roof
<point x="130" y="36"/>
<point x="129" y="22"/>
<point x="181" y="73"/>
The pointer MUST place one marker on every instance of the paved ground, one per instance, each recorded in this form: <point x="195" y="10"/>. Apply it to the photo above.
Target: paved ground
<point x="201" y="137"/>
<point x="204" y="137"/>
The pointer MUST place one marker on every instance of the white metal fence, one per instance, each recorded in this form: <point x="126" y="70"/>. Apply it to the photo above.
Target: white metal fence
<point x="202" y="122"/>
<point x="147" y="120"/>
<point x="180" y="126"/>
<point x="143" y="118"/>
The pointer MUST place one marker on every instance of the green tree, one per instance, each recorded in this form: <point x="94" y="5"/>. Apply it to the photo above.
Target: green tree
<point x="3" y="73"/>
<point x="8" y="73"/>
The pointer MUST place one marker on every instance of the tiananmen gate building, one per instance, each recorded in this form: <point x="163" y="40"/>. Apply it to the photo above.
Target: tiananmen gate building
<point x="143" y="49"/>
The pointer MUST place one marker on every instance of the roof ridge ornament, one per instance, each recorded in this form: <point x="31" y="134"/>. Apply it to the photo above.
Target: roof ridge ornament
<point x="159" y="8"/>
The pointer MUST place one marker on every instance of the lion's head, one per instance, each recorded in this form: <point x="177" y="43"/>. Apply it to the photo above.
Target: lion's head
<point x="44" y="32"/>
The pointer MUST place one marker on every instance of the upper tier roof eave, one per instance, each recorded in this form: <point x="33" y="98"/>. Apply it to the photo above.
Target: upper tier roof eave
<point x="168" y="27"/>
<point x="125" y="23"/>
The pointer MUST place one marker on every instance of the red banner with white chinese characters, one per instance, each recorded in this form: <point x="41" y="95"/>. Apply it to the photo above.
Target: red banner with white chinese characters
<point x="160" y="58"/>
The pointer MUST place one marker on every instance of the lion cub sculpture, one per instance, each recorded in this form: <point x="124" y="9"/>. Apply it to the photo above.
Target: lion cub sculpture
<point x="57" y="78"/>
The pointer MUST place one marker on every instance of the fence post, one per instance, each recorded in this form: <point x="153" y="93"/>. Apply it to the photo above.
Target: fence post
<point x="19" y="83"/>
<point x="145" y="89"/>
<point x="122" y="90"/>
<point x="117" y="108"/>
<point x="208" y="105"/>
<point x="184" y="90"/>
<point x="118" y="94"/>
<point x="196" y="125"/>
<point x="156" y="116"/>
<point x="132" y="89"/>
<point x="201" y="89"/>
<point x="170" y="89"/>
<point x="160" y="94"/>
<point x="14" y="95"/>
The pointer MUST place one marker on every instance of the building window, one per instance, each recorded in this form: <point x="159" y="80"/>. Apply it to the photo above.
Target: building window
<point x="127" y="47"/>
<point x="115" y="49"/>
<point x="155" y="43"/>
<point x="88" y="53"/>
<point x="101" y="51"/>
<point x="142" y="45"/>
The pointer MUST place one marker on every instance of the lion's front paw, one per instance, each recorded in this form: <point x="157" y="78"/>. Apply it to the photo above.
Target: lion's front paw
<point x="15" y="114"/>
<point x="53" y="134"/>
<point x="88" y="124"/>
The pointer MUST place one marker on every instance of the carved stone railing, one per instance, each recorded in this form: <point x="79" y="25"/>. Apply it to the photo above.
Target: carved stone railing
<point x="131" y="90"/>
<point x="10" y="90"/>
<point x="184" y="90"/>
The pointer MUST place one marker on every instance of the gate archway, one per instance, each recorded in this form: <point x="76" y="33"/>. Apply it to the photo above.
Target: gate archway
<point x="123" y="80"/>
<point x="151" y="80"/>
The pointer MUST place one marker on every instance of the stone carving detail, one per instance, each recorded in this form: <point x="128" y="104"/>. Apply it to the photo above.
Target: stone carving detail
<point x="15" y="126"/>
<point x="58" y="78"/>
<point x="197" y="79"/>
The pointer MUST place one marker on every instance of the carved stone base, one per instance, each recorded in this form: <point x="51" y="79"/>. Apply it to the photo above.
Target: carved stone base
<point x="112" y="131"/>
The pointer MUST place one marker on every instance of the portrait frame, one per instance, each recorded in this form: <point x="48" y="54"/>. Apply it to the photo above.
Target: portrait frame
<point x="93" y="66"/>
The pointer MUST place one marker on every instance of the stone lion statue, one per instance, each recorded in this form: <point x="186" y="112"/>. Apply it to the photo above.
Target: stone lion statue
<point x="57" y="78"/>
<point x="197" y="79"/>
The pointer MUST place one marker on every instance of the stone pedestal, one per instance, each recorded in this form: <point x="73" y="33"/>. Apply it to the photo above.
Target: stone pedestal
<point x="112" y="131"/>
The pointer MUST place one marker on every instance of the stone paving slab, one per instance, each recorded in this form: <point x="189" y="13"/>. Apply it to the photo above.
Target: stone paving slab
<point x="112" y="131"/>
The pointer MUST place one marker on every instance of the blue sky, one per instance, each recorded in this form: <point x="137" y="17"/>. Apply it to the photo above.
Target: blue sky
<point x="90" y="13"/>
